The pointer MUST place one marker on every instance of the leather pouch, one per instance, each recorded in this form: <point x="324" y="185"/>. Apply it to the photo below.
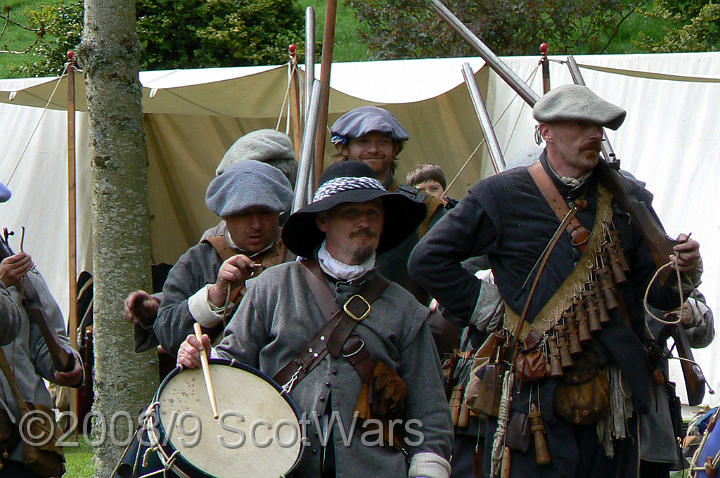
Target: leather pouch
<point x="583" y="396"/>
<point x="484" y="391"/>
<point x="531" y="366"/>
<point x="518" y="432"/>
<point x="46" y="459"/>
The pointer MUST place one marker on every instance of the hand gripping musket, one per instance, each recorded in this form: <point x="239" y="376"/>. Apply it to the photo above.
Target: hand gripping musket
<point x="660" y="245"/>
<point x="62" y="360"/>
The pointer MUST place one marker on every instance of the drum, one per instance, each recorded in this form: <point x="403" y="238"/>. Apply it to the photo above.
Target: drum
<point x="257" y="432"/>
<point x="706" y="459"/>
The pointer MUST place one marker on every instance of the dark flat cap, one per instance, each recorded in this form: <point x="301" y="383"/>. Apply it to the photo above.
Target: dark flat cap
<point x="358" y="122"/>
<point x="577" y="102"/>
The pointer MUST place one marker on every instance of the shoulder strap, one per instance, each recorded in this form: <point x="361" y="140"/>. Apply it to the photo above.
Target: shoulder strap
<point x="13" y="383"/>
<point x="221" y="247"/>
<point x="336" y="331"/>
<point x="577" y="231"/>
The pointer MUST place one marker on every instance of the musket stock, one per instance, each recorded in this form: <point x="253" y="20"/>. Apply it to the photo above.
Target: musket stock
<point x="62" y="360"/>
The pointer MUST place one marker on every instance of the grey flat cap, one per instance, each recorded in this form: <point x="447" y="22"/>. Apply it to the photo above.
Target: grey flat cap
<point x="261" y="145"/>
<point x="246" y="184"/>
<point x="358" y="122"/>
<point x="577" y="102"/>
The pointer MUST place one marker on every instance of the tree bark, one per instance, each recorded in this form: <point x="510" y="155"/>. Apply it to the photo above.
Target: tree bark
<point x="124" y="381"/>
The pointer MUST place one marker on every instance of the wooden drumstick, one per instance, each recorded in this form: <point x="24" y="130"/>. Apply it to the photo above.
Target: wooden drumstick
<point x="206" y="372"/>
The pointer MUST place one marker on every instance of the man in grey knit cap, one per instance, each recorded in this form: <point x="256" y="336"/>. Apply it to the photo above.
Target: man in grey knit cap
<point x="266" y="146"/>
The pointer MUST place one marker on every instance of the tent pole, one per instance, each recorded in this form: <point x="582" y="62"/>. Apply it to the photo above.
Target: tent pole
<point x="327" y="57"/>
<point x="295" y="115"/>
<point x="72" y="220"/>
<point x="545" y="65"/>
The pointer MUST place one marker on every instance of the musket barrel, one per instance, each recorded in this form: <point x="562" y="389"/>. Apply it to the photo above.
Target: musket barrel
<point x="303" y="180"/>
<point x="510" y="77"/>
<point x="485" y="123"/>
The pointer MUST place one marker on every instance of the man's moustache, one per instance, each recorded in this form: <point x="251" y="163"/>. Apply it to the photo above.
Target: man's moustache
<point x="364" y="234"/>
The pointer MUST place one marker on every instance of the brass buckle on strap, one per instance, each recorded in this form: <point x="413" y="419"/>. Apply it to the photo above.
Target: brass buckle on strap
<point x="353" y="316"/>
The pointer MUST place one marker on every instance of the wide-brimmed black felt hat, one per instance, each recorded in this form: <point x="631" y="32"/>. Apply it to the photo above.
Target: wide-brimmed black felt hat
<point x="352" y="182"/>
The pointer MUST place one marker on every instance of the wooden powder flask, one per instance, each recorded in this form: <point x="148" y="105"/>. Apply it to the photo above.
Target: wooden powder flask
<point x="542" y="454"/>
<point x="455" y="400"/>
<point x="554" y="353"/>
<point x="615" y="265"/>
<point x="607" y="286"/>
<point x="582" y="320"/>
<point x="572" y="332"/>
<point x="617" y="244"/>
<point x="600" y="302"/>
<point x="592" y="310"/>
<point x="566" y="360"/>
<point x="464" y="418"/>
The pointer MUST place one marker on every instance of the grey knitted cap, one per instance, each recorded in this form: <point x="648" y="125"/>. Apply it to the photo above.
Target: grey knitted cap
<point x="246" y="184"/>
<point x="261" y="145"/>
<point x="577" y="102"/>
<point x="358" y="122"/>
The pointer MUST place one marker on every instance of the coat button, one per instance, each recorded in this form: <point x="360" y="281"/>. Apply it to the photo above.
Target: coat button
<point x="322" y="399"/>
<point x="334" y="371"/>
<point x="327" y="384"/>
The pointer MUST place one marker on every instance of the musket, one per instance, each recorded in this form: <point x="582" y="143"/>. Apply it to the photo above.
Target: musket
<point x="62" y="360"/>
<point x="484" y="117"/>
<point x="692" y="374"/>
<point x="659" y="243"/>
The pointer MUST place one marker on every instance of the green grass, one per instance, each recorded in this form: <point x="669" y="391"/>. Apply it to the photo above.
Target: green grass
<point x="347" y="45"/>
<point x="16" y="38"/>
<point x="78" y="459"/>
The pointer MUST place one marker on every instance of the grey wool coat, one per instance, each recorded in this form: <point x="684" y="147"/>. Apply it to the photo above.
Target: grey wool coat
<point x="279" y="315"/>
<point x="26" y="352"/>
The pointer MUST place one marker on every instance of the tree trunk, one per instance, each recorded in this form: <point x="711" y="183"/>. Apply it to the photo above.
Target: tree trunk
<point x="124" y="383"/>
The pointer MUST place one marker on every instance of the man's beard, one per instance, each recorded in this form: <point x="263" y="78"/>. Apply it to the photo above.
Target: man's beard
<point x="360" y="255"/>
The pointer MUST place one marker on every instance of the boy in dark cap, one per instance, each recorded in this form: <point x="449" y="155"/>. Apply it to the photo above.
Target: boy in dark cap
<point x="512" y="217"/>
<point x="351" y="219"/>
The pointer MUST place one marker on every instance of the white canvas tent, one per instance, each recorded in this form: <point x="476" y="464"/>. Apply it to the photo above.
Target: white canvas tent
<point x="192" y="116"/>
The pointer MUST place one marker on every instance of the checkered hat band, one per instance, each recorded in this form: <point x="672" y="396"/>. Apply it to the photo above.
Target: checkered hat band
<point x="338" y="185"/>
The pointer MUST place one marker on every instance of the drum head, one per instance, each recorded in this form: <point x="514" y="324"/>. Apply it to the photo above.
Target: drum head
<point x="256" y="434"/>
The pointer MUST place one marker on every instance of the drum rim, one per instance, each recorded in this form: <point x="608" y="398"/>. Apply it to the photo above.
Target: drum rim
<point x="231" y="363"/>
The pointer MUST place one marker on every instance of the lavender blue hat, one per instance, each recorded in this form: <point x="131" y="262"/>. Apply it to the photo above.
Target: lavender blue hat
<point x="360" y="121"/>
<point x="246" y="184"/>
<point x="577" y="102"/>
<point x="352" y="182"/>
<point x="4" y="193"/>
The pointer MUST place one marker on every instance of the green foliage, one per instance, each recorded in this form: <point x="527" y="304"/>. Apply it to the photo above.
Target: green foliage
<point x="410" y="29"/>
<point x="691" y="25"/>
<point x="209" y="33"/>
<point x="187" y="34"/>
<point x="348" y="46"/>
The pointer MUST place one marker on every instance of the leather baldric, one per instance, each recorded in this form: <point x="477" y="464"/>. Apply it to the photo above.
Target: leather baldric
<point x="578" y="233"/>
<point x="334" y="335"/>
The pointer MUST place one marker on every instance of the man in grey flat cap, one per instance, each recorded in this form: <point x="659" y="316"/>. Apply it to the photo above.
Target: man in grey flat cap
<point x="549" y="231"/>
<point x="209" y="279"/>
<point x="374" y="136"/>
<point x="265" y="145"/>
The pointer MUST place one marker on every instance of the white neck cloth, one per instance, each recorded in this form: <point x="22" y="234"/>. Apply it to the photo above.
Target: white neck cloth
<point x="340" y="270"/>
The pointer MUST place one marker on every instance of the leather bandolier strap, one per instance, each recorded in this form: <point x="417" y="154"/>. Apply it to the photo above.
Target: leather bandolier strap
<point x="333" y="337"/>
<point x="562" y="299"/>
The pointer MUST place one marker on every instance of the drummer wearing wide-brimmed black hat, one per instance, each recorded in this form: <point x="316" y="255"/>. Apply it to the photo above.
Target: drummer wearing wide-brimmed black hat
<point x="351" y="219"/>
